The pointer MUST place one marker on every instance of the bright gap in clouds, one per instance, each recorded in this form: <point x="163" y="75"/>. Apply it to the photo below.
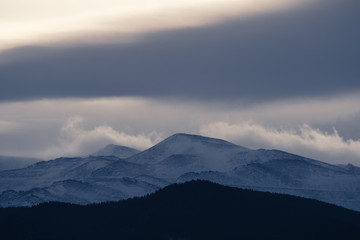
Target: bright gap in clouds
<point x="43" y="22"/>
<point x="76" y="127"/>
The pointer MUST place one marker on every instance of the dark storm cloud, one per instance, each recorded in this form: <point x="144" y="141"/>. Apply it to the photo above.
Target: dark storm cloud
<point x="304" y="52"/>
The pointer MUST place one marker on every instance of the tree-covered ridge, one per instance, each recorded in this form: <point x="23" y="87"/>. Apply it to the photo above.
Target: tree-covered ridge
<point x="192" y="210"/>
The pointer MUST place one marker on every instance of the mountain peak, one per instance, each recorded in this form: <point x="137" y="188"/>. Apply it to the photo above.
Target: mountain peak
<point x="179" y="137"/>
<point x="211" y="151"/>
<point x="117" y="151"/>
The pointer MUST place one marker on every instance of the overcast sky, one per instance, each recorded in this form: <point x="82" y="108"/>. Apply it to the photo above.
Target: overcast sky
<point x="278" y="74"/>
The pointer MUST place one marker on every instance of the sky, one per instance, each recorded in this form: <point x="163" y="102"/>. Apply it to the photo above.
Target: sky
<point x="276" y="74"/>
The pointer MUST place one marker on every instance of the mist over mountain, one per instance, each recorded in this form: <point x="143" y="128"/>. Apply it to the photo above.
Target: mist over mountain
<point x="117" y="151"/>
<point x="9" y="162"/>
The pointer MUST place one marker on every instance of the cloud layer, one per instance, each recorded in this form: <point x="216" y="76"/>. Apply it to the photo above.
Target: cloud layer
<point x="323" y="128"/>
<point x="307" y="51"/>
<point x="287" y="79"/>
<point x="75" y="140"/>
<point x="305" y="140"/>
<point x="43" y="22"/>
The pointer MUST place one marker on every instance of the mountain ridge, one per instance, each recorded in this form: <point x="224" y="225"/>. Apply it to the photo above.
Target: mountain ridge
<point x="179" y="158"/>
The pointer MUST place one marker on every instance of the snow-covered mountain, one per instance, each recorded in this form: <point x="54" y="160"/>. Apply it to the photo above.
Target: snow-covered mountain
<point x="179" y="158"/>
<point x="117" y="151"/>
<point x="182" y="153"/>
<point x="43" y="174"/>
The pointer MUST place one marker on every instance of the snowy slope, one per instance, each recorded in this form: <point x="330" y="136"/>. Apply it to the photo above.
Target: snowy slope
<point x="179" y="158"/>
<point x="78" y="192"/>
<point x="182" y="149"/>
<point x="301" y="177"/>
<point x="182" y="153"/>
<point x="43" y="174"/>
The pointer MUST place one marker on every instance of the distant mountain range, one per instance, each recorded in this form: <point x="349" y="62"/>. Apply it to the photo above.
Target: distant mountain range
<point x="118" y="172"/>
<point x="8" y="162"/>
<point x="192" y="210"/>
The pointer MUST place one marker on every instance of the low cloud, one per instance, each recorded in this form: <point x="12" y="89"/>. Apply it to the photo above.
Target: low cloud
<point x="6" y="126"/>
<point x="305" y="140"/>
<point x="47" y="128"/>
<point x="76" y="140"/>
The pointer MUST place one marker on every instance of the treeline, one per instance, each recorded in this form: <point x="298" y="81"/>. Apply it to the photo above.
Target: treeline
<point x="193" y="210"/>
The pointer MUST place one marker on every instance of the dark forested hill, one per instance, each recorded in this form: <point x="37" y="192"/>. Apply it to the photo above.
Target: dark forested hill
<point x="193" y="210"/>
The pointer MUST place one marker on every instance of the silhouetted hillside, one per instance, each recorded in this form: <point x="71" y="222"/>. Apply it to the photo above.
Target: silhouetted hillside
<point x="193" y="210"/>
